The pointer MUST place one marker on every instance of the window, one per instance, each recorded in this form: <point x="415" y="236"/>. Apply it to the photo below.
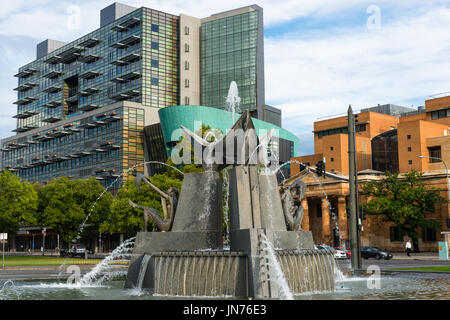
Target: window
<point x="396" y="234"/>
<point x="186" y="30"/>
<point x="186" y="65"/>
<point x="319" y="210"/>
<point x="155" y="63"/>
<point x="409" y="149"/>
<point x="409" y="161"/>
<point x="186" y="47"/>
<point x="332" y="159"/>
<point x="434" y="154"/>
<point x="186" y="83"/>
<point x="429" y="234"/>
<point x="408" y="137"/>
<point x="186" y="101"/>
<point x="155" y="27"/>
<point x="331" y="148"/>
<point x="155" y="45"/>
<point x="155" y="81"/>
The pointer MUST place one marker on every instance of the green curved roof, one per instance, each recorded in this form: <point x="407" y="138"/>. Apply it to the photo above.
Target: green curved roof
<point x="192" y="117"/>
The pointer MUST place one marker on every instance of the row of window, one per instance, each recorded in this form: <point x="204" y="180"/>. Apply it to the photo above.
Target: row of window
<point x="324" y="133"/>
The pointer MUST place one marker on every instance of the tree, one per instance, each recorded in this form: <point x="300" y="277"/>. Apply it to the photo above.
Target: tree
<point x="18" y="202"/>
<point x="70" y="203"/>
<point x="405" y="201"/>
<point x="123" y="217"/>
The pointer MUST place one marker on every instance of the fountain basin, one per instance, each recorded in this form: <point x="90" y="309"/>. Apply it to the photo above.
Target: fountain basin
<point x="227" y="273"/>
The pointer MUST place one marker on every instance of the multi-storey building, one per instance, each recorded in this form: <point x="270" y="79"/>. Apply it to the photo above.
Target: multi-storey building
<point x="82" y="106"/>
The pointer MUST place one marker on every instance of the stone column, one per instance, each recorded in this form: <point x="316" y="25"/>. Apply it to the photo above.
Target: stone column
<point x="326" y="233"/>
<point x="305" y="221"/>
<point x="342" y="219"/>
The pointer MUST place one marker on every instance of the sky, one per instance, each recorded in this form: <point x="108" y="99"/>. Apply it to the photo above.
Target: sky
<point x="320" y="56"/>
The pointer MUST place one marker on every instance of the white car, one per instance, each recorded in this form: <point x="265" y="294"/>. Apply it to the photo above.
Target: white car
<point x="338" y="254"/>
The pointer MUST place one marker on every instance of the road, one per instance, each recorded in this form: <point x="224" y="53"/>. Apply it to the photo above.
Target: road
<point x="396" y="263"/>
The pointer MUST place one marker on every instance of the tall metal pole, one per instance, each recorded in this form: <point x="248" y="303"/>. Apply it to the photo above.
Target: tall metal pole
<point x="354" y="216"/>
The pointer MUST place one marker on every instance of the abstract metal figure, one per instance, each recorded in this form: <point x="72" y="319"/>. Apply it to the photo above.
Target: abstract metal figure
<point x="291" y="199"/>
<point x="171" y="196"/>
<point x="241" y="140"/>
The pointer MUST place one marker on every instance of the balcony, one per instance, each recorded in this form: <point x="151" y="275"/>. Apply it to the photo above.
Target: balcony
<point x="25" y="101"/>
<point x="53" y="60"/>
<point x="89" y="92"/>
<point x="53" y="104"/>
<point x="109" y="146"/>
<point x="71" y="55"/>
<point x="124" y="26"/>
<point x="26" y="73"/>
<point x="25" y="128"/>
<point x="90" y="43"/>
<point x="72" y="99"/>
<point x="89" y="107"/>
<point x="53" y="74"/>
<point x="90" y="74"/>
<point x="26" y="87"/>
<point x="51" y="119"/>
<point x="126" y="95"/>
<point x="25" y="115"/>
<point x="90" y="58"/>
<point x="60" y="133"/>
<point x="52" y="89"/>
<point x="123" y="61"/>
<point x="127" y="77"/>
<point x="127" y="42"/>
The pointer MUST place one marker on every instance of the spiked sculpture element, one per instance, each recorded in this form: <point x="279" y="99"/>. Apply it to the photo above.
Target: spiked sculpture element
<point x="239" y="146"/>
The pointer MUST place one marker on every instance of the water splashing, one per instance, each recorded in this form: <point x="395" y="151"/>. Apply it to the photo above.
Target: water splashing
<point x="276" y="275"/>
<point x="11" y="285"/>
<point x="102" y="269"/>
<point x="233" y="99"/>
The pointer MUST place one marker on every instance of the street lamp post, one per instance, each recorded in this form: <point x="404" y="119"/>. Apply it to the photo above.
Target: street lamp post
<point x="448" y="181"/>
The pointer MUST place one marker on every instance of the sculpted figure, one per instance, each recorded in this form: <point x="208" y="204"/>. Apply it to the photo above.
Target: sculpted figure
<point x="291" y="198"/>
<point x="169" y="201"/>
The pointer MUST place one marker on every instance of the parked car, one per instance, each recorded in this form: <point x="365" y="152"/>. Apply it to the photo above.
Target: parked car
<point x="78" y="250"/>
<point x="347" y="251"/>
<point x="374" y="252"/>
<point x="338" y="254"/>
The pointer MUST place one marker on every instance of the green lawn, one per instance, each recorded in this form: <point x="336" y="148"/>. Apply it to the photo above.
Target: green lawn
<point x="43" y="261"/>
<point x="441" y="268"/>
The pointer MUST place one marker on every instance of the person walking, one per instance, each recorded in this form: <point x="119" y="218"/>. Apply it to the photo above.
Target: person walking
<point x="408" y="248"/>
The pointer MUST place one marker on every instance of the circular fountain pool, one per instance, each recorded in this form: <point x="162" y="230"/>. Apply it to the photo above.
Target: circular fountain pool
<point x="401" y="286"/>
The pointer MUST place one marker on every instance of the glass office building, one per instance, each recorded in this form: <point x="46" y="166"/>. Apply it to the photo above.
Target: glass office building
<point x="229" y="52"/>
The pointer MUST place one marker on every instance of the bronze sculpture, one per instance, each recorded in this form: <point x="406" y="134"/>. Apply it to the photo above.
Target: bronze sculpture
<point x="291" y="198"/>
<point x="171" y="196"/>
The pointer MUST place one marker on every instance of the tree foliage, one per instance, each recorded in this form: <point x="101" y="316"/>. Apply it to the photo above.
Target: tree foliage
<point x="405" y="201"/>
<point x="18" y="202"/>
<point x="69" y="202"/>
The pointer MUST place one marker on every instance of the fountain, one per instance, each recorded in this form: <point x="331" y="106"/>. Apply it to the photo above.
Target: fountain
<point x="186" y="257"/>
